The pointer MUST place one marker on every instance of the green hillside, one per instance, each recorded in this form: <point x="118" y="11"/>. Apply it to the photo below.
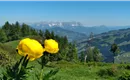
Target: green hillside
<point x="7" y="54"/>
<point x="71" y="35"/>
<point x="105" y="40"/>
<point x="123" y="58"/>
<point x="13" y="44"/>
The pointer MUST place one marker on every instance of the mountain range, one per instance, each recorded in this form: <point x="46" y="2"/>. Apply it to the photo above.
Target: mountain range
<point x="74" y="30"/>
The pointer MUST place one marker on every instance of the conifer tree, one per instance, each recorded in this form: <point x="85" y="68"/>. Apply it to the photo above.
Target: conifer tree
<point x="3" y="37"/>
<point x="115" y="50"/>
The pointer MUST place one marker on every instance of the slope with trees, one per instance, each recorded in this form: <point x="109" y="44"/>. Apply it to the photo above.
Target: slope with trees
<point x="105" y="40"/>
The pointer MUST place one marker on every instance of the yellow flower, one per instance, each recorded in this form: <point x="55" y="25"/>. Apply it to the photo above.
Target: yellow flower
<point x="30" y="47"/>
<point x="51" y="46"/>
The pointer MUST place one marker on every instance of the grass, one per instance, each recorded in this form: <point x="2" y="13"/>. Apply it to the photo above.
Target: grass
<point x="13" y="44"/>
<point x="76" y="72"/>
<point x="79" y="71"/>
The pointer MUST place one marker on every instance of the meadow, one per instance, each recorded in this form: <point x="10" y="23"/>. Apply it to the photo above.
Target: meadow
<point x="73" y="70"/>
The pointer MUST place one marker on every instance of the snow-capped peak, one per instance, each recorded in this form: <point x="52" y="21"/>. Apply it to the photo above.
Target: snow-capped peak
<point x="56" y="24"/>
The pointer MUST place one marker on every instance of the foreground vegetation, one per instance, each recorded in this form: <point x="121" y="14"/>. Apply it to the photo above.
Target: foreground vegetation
<point x="92" y="71"/>
<point x="67" y="70"/>
<point x="83" y="71"/>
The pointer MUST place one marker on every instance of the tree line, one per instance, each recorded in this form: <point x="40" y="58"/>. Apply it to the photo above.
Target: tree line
<point x="10" y="32"/>
<point x="17" y="31"/>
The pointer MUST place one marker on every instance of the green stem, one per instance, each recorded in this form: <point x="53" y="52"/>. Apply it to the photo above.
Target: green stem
<point x="44" y="61"/>
<point x="41" y="75"/>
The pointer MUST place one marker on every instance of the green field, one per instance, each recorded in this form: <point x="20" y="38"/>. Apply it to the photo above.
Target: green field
<point x="13" y="44"/>
<point x="81" y="71"/>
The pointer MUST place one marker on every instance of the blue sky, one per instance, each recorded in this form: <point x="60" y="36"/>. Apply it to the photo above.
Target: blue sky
<point x="89" y="13"/>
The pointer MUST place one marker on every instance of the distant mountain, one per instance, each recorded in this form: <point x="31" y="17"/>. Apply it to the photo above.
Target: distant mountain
<point x="103" y="42"/>
<point x="60" y="28"/>
<point x="48" y="25"/>
<point x="76" y="27"/>
<point x="71" y="35"/>
<point x="74" y="30"/>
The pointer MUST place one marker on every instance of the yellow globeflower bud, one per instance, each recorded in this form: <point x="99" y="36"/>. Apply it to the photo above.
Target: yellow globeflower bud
<point x="51" y="46"/>
<point x="30" y="47"/>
